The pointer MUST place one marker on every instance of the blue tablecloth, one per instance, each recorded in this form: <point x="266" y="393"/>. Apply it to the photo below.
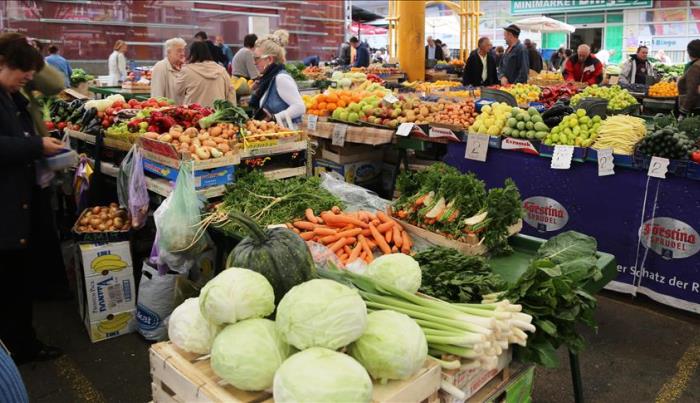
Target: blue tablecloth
<point x="613" y="209"/>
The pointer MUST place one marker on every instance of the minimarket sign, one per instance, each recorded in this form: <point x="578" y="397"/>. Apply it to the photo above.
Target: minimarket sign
<point x="553" y="6"/>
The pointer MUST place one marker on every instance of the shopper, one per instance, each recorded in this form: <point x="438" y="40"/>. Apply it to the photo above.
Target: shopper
<point x="480" y="69"/>
<point x="498" y="53"/>
<point x="226" y="50"/>
<point x="515" y="63"/>
<point x="20" y="236"/>
<point x="344" y="54"/>
<point x="583" y="67"/>
<point x="533" y="56"/>
<point x="689" y="84"/>
<point x="433" y="53"/>
<point x="165" y="72"/>
<point x="243" y="64"/>
<point x="275" y="94"/>
<point x="11" y="386"/>
<point x="662" y="57"/>
<point x="215" y="51"/>
<point x="637" y="68"/>
<point x="556" y="60"/>
<point x="444" y="48"/>
<point x="117" y="62"/>
<point x="60" y="63"/>
<point x="361" y="52"/>
<point x="202" y="80"/>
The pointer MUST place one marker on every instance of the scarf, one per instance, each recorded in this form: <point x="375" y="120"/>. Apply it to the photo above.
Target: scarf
<point x="264" y="83"/>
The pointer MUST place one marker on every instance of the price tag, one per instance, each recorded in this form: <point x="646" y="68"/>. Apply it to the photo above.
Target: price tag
<point x="404" y="129"/>
<point x="658" y="167"/>
<point x="390" y="98"/>
<point x="605" y="162"/>
<point x="477" y="147"/>
<point x="561" y="158"/>
<point x="338" y="138"/>
<point x="311" y="123"/>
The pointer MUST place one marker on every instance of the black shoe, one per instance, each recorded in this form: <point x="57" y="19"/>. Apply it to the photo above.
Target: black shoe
<point x="41" y="352"/>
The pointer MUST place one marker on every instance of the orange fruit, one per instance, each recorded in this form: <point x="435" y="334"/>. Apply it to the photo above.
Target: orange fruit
<point x="342" y="103"/>
<point x="331" y="106"/>
<point x="322" y="105"/>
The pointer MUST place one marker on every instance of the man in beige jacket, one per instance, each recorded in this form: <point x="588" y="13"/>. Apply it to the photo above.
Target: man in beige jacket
<point x="202" y="80"/>
<point x="166" y="71"/>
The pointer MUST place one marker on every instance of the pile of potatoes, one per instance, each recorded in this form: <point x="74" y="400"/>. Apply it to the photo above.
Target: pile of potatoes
<point x="259" y="130"/>
<point x="215" y="142"/>
<point x="104" y="219"/>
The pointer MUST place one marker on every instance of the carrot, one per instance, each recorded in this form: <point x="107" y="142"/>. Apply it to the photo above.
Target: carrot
<point x="309" y="214"/>
<point x="290" y="226"/>
<point x="347" y="227"/>
<point x="338" y="245"/>
<point x="398" y="239"/>
<point x="402" y="214"/>
<point x="335" y="210"/>
<point x="365" y="247"/>
<point x="372" y="216"/>
<point x="372" y="244"/>
<point x="388" y="235"/>
<point x="383" y="217"/>
<point x="350" y="232"/>
<point x="366" y="232"/>
<point x="347" y="249"/>
<point x="375" y="222"/>
<point x="307" y="236"/>
<point x="363" y="255"/>
<point x="394" y="249"/>
<point x="363" y="216"/>
<point x="329" y="239"/>
<point x="379" y="239"/>
<point x="341" y="220"/>
<point x="420" y="200"/>
<point x="305" y="225"/>
<point x="296" y="230"/>
<point x="406" y="247"/>
<point x="384" y="227"/>
<point x="325" y="231"/>
<point x="355" y="252"/>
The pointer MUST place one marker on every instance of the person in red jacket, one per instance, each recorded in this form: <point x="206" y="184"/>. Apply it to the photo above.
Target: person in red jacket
<point x="583" y="67"/>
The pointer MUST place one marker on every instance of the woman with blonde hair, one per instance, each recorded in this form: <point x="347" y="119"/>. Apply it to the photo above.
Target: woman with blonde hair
<point x="275" y="93"/>
<point x="117" y="62"/>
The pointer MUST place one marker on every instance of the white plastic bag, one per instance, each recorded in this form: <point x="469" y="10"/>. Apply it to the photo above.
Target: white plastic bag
<point x="354" y="197"/>
<point x="155" y="302"/>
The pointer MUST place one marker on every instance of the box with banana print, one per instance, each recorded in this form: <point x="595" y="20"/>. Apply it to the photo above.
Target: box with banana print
<point x="107" y="297"/>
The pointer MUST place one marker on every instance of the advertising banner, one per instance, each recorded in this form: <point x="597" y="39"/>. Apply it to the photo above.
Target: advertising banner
<point x="519" y="7"/>
<point x="651" y="225"/>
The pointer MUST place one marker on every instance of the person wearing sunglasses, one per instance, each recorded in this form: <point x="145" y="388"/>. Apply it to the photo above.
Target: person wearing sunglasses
<point x="275" y="93"/>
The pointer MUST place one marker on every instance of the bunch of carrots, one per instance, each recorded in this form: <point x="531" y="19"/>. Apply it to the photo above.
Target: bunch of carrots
<point x="354" y="235"/>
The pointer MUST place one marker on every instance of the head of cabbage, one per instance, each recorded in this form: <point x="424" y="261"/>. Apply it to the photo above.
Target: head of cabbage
<point x="392" y="347"/>
<point x="248" y="353"/>
<point x="321" y="313"/>
<point x="189" y="330"/>
<point x="236" y="294"/>
<point x="400" y="270"/>
<point x="321" y="375"/>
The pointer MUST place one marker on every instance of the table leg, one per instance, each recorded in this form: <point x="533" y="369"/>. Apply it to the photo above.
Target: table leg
<point x="576" y="377"/>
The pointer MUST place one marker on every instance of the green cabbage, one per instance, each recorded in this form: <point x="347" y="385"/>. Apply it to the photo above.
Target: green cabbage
<point x="321" y="313"/>
<point x="392" y="347"/>
<point x="236" y="294"/>
<point x="321" y="375"/>
<point x="401" y="271"/>
<point x="247" y="354"/>
<point x="188" y="329"/>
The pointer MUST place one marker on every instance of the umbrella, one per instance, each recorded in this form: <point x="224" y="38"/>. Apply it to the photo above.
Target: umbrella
<point x="544" y="24"/>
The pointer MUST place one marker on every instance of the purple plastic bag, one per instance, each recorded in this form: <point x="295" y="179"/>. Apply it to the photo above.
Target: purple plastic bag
<point x="138" y="193"/>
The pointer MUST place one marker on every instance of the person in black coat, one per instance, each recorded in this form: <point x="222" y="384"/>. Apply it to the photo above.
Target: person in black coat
<point x="433" y="51"/>
<point x="475" y="73"/>
<point x="20" y="236"/>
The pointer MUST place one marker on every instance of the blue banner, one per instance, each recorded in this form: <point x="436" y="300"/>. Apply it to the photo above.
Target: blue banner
<point x="645" y="222"/>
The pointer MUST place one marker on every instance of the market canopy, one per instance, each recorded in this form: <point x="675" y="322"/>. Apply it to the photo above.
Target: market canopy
<point x="544" y="24"/>
<point x="367" y="29"/>
<point x="362" y="15"/>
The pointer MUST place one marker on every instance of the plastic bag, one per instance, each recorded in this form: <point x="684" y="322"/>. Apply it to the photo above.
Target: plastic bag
<point x="125" y="169"/>
<point x="138" y="193"/>
<point x="354" y="197"/>
<point x="155" y="302"/>
<point x="177" y="221"/>
<point x="81" y="183"/>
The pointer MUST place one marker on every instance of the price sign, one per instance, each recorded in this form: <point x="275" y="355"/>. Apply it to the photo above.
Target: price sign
<point x="311" y="123"/>
<point x="390" y="98"/>
<point x="561" y="158"/>
<point x="605" y="162"/>
<point x="404" y="129"/>
<point x="658" y="167"/>
<point x="338" y="138"/>
<point x="477" y="147"/>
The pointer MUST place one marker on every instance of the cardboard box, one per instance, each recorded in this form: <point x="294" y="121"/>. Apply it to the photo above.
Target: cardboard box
<point x="202" y="178"/>
<point x="356" y="172"/>
<point x="101" y="258"/>
<point x="108" y="294"/>
<point x="112" y="326"/>
<point x="351" y="153"/>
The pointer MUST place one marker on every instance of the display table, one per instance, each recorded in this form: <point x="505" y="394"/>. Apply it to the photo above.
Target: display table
<point x="612" y="209"/>
<point x="127" y="94"/>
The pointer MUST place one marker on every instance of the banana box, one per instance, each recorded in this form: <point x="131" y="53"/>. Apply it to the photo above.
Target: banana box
<point x="111" y="326"/>
<point x="103" y="258"/>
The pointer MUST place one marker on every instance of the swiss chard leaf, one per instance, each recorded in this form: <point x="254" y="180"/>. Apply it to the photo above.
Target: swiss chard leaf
<point x="568" y="246"/>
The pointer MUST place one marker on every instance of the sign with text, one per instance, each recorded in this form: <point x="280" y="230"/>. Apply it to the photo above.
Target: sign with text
<point x="658" y="167"/>
<point x="605" y="162"/>
<point x="561" y="157"/>
<point x="404" y="129"/>
<point x="339" y="132"/>
<point x="311" y="123"/>
<point x="545" y="214"/>
<point x="519" y="7"/>
<point x="670" y="238"/>
<point x="477" y="147"/>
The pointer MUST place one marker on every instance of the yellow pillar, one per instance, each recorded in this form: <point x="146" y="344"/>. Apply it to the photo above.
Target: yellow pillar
<point x="411" y="35"/>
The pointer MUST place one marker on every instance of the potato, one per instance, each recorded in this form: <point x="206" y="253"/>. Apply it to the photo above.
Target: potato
<point x="166" y="138"/>
<point x="151" y="135"/>
<point x="109" y="222"/>
<point x="85" y="221"/>
<point x="112" y="228"/>
<point x="185" y="140"/>
<point x="95" y="222"/>
<point x="203" y="136"/>
<point x="176" y="128"/>
<point x="115" y="205"/>
<point x="96" y="210"/>
<point x="102" y="227"/>
<point x="82" y="228"/>
<point x="104" y="216"/>
<point x="118" y="221"/>
<point x="191" y="132"/>
<point x="215" y="131"/>
<point x="223" y="147"/>
<point x="203" y="153"/>
<point x="209" y="143"/>
<point x="88" y="213"/>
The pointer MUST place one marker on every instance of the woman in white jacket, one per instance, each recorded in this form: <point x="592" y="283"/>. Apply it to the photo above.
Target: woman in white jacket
<point x="117" y="62"/>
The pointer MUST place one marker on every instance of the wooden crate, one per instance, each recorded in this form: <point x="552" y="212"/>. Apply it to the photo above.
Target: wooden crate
<point x="180" y="377"/>
<point x="354" y="134"/>
<point x="476" y="249"/>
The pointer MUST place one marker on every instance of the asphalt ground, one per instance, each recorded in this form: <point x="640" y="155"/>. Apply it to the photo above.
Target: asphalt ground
<point x="642" y="352"/>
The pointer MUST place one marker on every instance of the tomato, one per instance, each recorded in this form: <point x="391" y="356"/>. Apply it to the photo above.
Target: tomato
<point x="109" y="111"/>
<point x="696" y="156"/>
<point x="106" y="123"/>
<point x="117" y="104"/>
<point x="62" y="125"/>
<point x="49" y="125"/>
<point x="163" y="103"/>
<point x="100" y="115"/>
<point x="133" y="102"/>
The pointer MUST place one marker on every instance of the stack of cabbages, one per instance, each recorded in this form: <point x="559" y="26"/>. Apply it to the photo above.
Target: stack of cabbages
<point x="298" y="355"/>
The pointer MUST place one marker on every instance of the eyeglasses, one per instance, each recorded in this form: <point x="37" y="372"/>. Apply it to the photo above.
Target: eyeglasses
<point x="258" y="58"/>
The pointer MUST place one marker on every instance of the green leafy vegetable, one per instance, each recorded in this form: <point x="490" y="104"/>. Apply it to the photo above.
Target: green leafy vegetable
<point x="80" y="76"/>
<point x="224" y="111"/>
<point x="454" y="277"/>
<point x="296" y="71"/>
<point x="551" y="290"/>
<point x="504" y="209"/>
